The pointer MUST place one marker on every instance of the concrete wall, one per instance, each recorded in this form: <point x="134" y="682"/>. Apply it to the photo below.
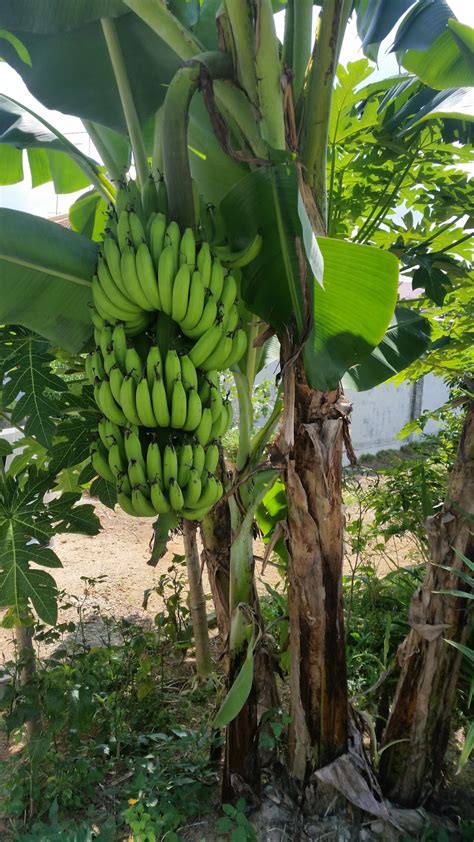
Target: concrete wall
<point x="379" y="415"/>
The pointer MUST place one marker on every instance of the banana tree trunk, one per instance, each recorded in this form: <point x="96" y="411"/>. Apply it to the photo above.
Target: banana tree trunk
<point x="197" y="602"/>
<point x="426" y="690"/>
<point x="216" y="541"/>
<point x="318" y="707"/>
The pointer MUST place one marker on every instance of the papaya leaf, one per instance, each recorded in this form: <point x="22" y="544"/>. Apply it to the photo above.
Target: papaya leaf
<point x="27" y="524"/>
<point x="30" y="386"/>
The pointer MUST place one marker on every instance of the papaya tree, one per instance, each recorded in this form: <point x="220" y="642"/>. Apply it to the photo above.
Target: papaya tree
<point x="238" y="125"/>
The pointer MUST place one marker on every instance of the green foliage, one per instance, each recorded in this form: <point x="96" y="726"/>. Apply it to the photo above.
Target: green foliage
<point x="114" y="713"/>
<point x="235" y="823"/>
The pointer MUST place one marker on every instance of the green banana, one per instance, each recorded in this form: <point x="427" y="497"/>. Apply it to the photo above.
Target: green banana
<point x="185" y="463"/>
<point x="172" y="371"/>
<point x="116" y="380"/>
<point x="157" y="235"/>
<point x="137" y="475"/>
<point x="124" y="236"/>
<point x="215" y="359"/>
<point x="112" y="256"/>
<point x="199" y="458"/>
<point x="212" y="458"/>
<point x="114" y="435"/>
<point x="132" y="328"/>
<point x="144" y="405"/>
<point x="137" y="230"/>
<point x="125" y="503"/>
<point x="238" y="259"/>
<point x="116" y="464"/>
<point x="160" y="401"/>
<point x="97" y="365"/>
<point x="178" y="406"/>
<point x="232" y="319"/>
<point x="175" y="495"/>
<point x="203" y="431"/>
<point x="112" y="291"/>
<point x="147" y="277"/>
<point x="188" y="373"/>
<point x="133" y="448"/>
<point x="123" y="484"/>
<point x="230" y="413"/>
<point x="153" y="363"/>
<point x="107" y="404"/>
<point x="239" y="346"/>
<point x="210" y="492"/>
<point x="216" y="284"/>
<point x="100" y="465"/>
<point x="109" y="310"/>
<point x="134" y="198"/>
<point x="208" y="317"/>
<point x="149" y="223"/>
<point x="158" y="499"/>
<point x="105" y="339"/>
<point x="215" y="403"/>
<point x="96" y="319"/>
<point x="88" y="371"/>
<point x="192" y="492"/>
<point x="173" y="238"/>
<point x="195" y="303"/>
<point x="131" y="279"/>
<point x="180" y="295"/>
<point x="195" y="514"/>
<point x="142" y="506"/>
<point x="229" y="294"/>
<point x="97" y="336"/>
<point x="170" y="465"/>
<point x="194" y="411"/>
<point x="154" y="463"/>
<point x="109" y="361"/>
<point x="102" y="430"/>
<point x="119" y="345"/>
<point x="166" y="273"/>
<point x="206" y="344"/>
<point x="127" y="400"/>
<point x="204" y="264"/>
<point x="187" y="249"/>
<point x="149" y="197"/>
<point x="205" y="391"/>
<point x="162" y="196"/>
<point x="133" y="364"/>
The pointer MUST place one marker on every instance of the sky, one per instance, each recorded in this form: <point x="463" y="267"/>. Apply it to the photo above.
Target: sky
<point x="43" y="201"/>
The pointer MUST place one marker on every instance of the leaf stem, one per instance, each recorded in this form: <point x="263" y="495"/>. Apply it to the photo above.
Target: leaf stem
<point x="267" y="65"/>
<point x="176" y="106"/>
<point x="245" y="417"/>
<point x="126" y="98"/>
<point x="302" y="39"/>
<point x="107" y="158"/>
<point x="252" y="352"/>
<point x="239" y="14"/>
<point x="318" y="101"/>
<point x="157" y="155"/>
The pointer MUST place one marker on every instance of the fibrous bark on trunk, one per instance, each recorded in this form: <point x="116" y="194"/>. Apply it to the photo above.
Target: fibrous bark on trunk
<point x="26" y="655"/>
<point x="318" y="730"/>
<point x="216" y="540"/>
<point x="425" y="694"/>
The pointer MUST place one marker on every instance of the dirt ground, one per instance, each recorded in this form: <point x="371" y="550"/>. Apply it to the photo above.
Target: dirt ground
<point x="119" y="553"/>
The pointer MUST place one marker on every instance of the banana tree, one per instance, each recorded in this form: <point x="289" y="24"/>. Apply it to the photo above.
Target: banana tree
<point x="248" y="120"/>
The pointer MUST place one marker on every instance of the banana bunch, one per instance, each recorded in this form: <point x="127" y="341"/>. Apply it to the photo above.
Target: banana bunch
<point x="151" y="393"/>
<point x="152" y="480"/>
<point x="166" y="321"/>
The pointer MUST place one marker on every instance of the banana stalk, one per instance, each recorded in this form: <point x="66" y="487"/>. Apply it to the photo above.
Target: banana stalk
<point x="197" y="602"/>
<point x="175" y="135"/>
